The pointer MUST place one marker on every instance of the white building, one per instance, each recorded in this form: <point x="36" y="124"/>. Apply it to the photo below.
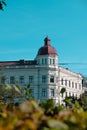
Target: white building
<point x="43" y="74"/>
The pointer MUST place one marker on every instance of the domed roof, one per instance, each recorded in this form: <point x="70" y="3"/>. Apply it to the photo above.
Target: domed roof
<point x="47" y="49"/>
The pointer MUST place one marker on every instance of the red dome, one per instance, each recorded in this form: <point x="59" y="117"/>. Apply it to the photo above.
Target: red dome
<point x="47" y="49"/>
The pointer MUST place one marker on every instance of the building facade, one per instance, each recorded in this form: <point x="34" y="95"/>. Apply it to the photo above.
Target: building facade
<point x="45" y="76"/>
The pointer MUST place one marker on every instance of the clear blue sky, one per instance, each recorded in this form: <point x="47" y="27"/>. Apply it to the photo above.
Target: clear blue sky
<point x="25" y="23"/>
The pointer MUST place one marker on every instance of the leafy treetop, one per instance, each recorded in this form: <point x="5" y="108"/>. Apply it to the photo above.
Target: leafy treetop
<point x="2" y="3"/>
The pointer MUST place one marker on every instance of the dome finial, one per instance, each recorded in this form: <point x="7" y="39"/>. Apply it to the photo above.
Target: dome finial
<point x="47" y="41"/>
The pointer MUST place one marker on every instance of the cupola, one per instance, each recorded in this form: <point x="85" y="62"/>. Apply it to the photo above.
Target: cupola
<point x="47" y="49"/>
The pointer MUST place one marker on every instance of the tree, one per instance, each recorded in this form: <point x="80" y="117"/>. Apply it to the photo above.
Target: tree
<point x="2" y="4"/>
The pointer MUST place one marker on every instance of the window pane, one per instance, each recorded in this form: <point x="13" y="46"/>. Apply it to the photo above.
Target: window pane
<point x="45" y="61"/>
<point x="76" y="85"/>
<point x="69" y="94"/>
<point x="52" y="92"/>
<point x="72" y="84"/>
<point x="61" y="81"/>
<point x="21" y="79"/>
<point x="69" y="84"/>
<point x="44" y="92"/>
<point x="65" y="82"/>
<point x="79" y="86"/>
<point x="52" y="79"/>
<point x="66" y="94"/>
<point x="31" y="79"/>
<point x="50" y="61"/>
<point x="53" y="61"/>
<point x="43" y="78"/>
<point x="12" y="80"/>
<point x="38" y="61"/>
<point x="3" y="80"/>
<point x="42" y="61"/>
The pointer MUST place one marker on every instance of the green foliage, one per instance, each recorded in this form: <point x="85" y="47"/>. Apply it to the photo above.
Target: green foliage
<point x="27" y="92"/>
<point x="63" y="90"/>
<point x="83" y="101"/>
<point x="8" y="93"/>
<point x="30" y="115"/>
<point x="8" y="87"/>
<point x="74" y="102"/>
<point x="49" y="104"/>
<point x="14" y="93"/>
<point x="50" y="108"/>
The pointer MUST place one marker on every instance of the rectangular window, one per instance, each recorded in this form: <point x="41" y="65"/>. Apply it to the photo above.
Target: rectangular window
<point x="56" y="79"/>
<point x="52" y="92"/>
<point x="44" y="92"/>
<point x="21" y="79"/>
<point x="31" y="79"/>
<point x="53" y="61"/>
<point x="12" y="80"/>
<point x="61" y="81"/>
<point x="69" y="84"/>
<point x="45" y="61"/>
<point x="65" y="82"/>
<point x="3" y="80"/>
<point x="43" y="78"/>
<point x="51" y="79"/>
<point x="79" y="86"/>
<point x="72" y="84"/>
<point x="38" y="62"/>
<point x="76" y="85"/>
<point x="73" y="95"/>
<point x="42" y="61"/>
<point x="66" y="94"/>
<point x="69" y="94"/>
<point x="50" y="61"/>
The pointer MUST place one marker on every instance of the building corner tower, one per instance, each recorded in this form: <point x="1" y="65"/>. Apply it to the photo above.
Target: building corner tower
<point x="47" y="72"/>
